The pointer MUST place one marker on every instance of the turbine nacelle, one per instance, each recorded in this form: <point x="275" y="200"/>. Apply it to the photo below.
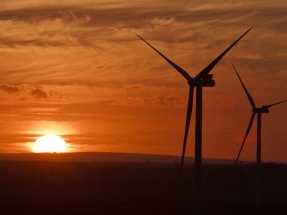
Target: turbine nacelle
<point x="208" y="76"/>
<point x="261" y="110"/>
<point x="206" y="81"/>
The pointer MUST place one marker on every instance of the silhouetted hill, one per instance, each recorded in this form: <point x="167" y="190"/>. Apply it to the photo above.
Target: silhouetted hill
<point x="105" y="188"/>
<point x="104" y="157"/>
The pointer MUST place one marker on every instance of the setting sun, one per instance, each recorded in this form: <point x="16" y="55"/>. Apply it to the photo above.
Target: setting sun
<point x="50" y="143"/>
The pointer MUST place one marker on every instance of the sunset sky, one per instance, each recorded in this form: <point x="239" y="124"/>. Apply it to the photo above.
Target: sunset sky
<point x="76" y="69"/>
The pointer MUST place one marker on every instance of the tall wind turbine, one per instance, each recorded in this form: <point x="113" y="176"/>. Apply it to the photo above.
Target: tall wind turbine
<point x="202" y="79"/>
<point x="258" y="111"/>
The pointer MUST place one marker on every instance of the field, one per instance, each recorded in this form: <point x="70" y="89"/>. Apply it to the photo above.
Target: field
<point x="45" y="187"/>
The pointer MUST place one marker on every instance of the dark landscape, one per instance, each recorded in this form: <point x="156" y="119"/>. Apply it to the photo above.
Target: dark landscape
<point x="67" y="187"/>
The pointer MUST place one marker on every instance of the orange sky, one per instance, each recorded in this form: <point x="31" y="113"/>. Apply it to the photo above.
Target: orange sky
<point x="78" y="70"/>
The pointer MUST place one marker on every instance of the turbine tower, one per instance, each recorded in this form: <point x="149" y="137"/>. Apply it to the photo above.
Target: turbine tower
<point x="258" y="111"/>
<point x="202" y="79"/>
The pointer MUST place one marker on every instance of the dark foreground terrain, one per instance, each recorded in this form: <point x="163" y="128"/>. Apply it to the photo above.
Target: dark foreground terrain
<point x="41" y="187"/>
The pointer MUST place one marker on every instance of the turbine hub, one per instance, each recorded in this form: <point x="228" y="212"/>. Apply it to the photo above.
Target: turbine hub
<point x="191" y="82"/>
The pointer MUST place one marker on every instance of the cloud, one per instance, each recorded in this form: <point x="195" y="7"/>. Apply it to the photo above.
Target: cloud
<point x="132" y="87"/>
<point x="44" y="31"/>
<point x="9" y="89"/>
<point x="39" y="94"/>
<point x="98" y="4"/>
<point x="146" y="101"/>
<point x="169" y="100"/>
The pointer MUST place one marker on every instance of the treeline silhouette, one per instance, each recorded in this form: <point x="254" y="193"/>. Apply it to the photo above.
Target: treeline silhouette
<point x="40" y="187"/>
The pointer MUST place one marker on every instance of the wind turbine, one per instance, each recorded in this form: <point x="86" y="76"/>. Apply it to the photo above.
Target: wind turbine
<point x="202" y="79"/>
<point x="258" y="111"/>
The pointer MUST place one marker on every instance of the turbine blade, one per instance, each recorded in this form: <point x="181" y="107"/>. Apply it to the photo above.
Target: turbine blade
<point x="188" y="117"/>
<point x="205" y="71"/>
<point x="180" y="70"/>
<point x="246" y="134"/>
<point x="246" y="91"/>
<point x="268" y="106"/>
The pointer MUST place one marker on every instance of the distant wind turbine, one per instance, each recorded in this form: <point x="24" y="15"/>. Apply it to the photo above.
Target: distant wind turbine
<point x="202" y="79"/>
<point x="258" y="111"/>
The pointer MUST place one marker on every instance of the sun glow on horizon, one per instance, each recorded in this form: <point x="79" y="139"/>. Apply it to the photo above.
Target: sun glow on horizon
<point x="50" y="143"/>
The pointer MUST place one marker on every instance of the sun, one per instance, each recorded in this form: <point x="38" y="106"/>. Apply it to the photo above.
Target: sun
<point x="50" y="143"/>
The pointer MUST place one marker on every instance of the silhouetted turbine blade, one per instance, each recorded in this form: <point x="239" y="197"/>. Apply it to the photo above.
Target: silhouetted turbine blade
<point x="246" y="91"/>
<point x="188" y="117"/>
<point x="268" y="106"/>
<point x="205" y="71"/>
<point x="180" y="70"/>
<point x="248" y="129"/>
